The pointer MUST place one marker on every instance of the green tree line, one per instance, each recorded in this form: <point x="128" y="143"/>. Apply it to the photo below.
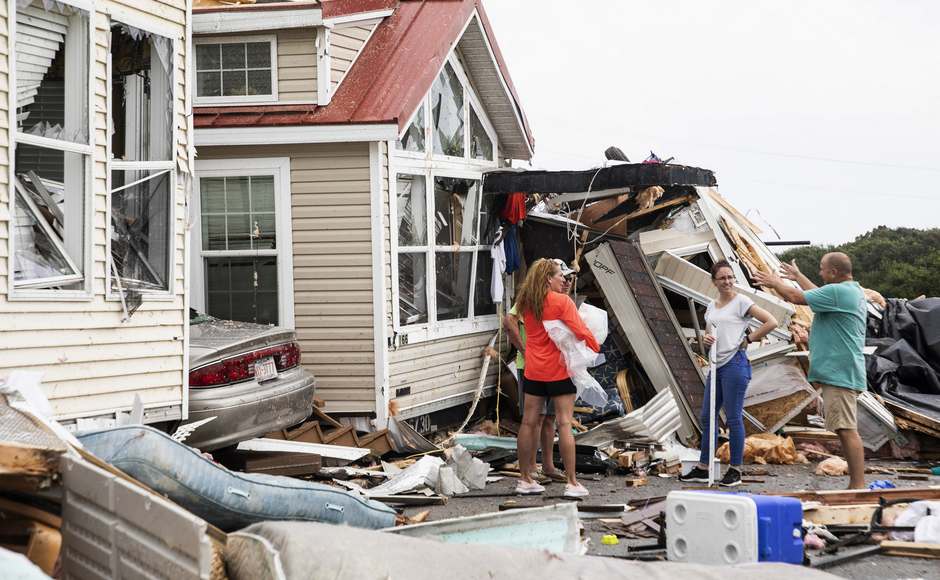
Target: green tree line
<point x="897" y="262"/>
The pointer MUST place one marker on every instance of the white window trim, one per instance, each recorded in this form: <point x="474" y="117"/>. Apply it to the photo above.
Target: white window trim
<point x="238" y="99"/>
<point x="279" y="167"/>
<point x="111" y="294"/>
<point x="85" y="294"/>
<point x="470" y="100"/>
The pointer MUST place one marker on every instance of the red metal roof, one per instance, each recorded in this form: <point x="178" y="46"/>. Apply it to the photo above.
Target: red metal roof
<point x="388" y="81"/>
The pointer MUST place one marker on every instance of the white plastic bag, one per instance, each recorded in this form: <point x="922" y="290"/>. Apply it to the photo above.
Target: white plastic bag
<point x="912" y="516"/>
<point x="596" y="320"/>
<point x="578" y="358"/>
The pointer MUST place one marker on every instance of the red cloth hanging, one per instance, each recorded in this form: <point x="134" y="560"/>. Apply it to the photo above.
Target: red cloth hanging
<point x="514" y="210"/>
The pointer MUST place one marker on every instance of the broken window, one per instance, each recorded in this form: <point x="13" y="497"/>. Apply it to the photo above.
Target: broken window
<point x="141" y="227"/>
<point x="447" y="111"/>
<point x="142" y="164"/>
<point x="234" y="69"/>
<point x="52" y="147"/>
<point x="456" y="210"/>
<point x="413" y="137"/>
<point x="453" y="252"/>
<point x="142" y="109"/>
<point x="481" y="146"/>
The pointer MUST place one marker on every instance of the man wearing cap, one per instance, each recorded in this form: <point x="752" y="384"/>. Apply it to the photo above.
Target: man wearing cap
<point x="515" y="328"/>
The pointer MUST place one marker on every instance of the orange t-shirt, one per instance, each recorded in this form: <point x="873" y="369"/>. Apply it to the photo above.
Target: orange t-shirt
<point x="543" y="360"/>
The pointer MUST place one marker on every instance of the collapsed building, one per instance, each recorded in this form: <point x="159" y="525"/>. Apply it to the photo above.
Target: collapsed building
<point x="642" y="238"/>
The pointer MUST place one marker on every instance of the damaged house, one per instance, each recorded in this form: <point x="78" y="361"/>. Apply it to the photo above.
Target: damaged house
<point x="341" y="152"/>
<point x="644" y="237"/>
<point x="96" y="172"/>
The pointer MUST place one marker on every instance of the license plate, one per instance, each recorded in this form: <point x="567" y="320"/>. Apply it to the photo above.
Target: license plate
<point x="265" y="369"/>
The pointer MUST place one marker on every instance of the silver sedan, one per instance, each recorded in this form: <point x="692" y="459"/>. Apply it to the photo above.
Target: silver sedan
<point x="247" y="376"/>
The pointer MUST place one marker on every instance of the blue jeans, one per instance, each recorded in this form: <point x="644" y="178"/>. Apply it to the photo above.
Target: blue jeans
<point x="732" y="381"/>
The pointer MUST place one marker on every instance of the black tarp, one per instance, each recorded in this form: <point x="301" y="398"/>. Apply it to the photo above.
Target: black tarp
<point x="906" y="366"/>
<point x="637" y="175"/>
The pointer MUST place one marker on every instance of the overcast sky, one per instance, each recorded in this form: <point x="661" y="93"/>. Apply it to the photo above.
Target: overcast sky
<point x="822" y="117"/>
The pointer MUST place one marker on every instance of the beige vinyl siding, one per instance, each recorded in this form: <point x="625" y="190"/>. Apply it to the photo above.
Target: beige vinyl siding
<point x="92" y="363"/>
<point x="438" y="369"/>
<point x="345" y="45"/>
<point x="332" y="254"/>
<point x="297" y="65"/>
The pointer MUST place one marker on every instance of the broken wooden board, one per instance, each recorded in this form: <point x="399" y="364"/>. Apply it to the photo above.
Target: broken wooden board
<point x="331" y="451"/>
<point x="913" y="420"/>
<point x="291" y="464"/>
<point x="866" y="496"/>
<point x="846" y="515"/>
<point x="910" y="549"/>
<point x="25" y="467"/>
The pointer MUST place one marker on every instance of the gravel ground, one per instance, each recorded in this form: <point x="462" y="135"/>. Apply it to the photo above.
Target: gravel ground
<point x="611" y="489"/>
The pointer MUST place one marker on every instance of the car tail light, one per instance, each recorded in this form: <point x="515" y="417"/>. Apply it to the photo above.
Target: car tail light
<point x="241" y="368"/>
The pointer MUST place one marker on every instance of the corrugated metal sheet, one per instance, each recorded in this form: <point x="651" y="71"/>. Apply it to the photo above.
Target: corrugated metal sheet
<point x="655" y="421"/>
<point x="115" y="529"/>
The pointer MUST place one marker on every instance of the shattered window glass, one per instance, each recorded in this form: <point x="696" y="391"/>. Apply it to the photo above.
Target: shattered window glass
<point x="447" y="112"/>
<point x="455" y="207"/>
<point x="238" y="213"/>
<point x="45" y="65"/>
<point x="242" y="288"/>
<point x="483" y="299"/>
<point x="413" y="139"/>
<point x="481" y="146"/>
<point x="233" y="69"/>
<point x="141" y="228"/>
<point x="142" y="108"/>
<point x="453" y="284"/>
<point x="412" y="288"/>
<point x="412" y="210"/>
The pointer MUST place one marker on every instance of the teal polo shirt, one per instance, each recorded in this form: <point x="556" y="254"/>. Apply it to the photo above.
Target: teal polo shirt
<point x="838" y="335"/>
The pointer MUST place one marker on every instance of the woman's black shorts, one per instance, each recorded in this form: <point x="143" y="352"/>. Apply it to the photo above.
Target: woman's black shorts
<point x="549" y="388"/>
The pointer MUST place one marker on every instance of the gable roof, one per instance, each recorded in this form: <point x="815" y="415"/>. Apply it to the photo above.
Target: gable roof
<point x="395" y="70"/>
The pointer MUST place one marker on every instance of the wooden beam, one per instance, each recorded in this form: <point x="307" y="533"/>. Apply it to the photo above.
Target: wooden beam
<point x="30" y="512"/>
<point x="657" y="207"/>
<point x="26" y="460"/>
<point x="846" y="497"/>
<point x="910" y="549"/>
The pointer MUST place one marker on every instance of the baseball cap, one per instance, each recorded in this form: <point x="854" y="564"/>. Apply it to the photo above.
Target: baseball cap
<point x="565" y="270"/>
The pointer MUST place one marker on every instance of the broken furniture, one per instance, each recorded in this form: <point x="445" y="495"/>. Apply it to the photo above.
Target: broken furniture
<point x="227" y="499"/>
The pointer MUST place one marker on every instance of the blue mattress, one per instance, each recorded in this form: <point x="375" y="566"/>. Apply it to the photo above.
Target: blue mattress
<point x="227" y="499"/>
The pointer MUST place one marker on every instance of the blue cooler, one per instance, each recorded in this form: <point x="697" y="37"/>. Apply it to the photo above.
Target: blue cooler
<point x="707" y="527"/>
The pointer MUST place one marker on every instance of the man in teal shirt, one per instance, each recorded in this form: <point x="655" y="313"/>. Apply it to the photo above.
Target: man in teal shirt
<point x="835" y="346"/>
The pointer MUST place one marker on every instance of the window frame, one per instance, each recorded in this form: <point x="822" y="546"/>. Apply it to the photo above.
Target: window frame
<point x="85" y="293"/>
<point x="430" y="165"/>
<point x="236" y="99"/>
<point x="279" y="168"/>
<point x="168" y="165"/>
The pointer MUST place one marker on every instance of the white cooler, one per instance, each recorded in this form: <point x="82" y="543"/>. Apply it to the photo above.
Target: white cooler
<point x="710" y="528"/>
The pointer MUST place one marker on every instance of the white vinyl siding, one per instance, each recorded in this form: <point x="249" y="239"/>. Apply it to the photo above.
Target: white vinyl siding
<point x="332" y="259"/>
<point x="297" y="65"/>
<point x="92" y="362"/>
<point x="439" y="373"/>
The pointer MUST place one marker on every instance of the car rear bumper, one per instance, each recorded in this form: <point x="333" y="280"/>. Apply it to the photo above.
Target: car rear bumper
<point x="250" y="409"/>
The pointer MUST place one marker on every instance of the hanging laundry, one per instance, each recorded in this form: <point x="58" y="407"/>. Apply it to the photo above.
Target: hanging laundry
<point x="511" y="249"/>
<point x="514" y="210"/>
<point x="499" y="267"/>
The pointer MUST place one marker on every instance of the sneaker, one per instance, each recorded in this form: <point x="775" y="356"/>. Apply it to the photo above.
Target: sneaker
<point x="528" y="488"/>
<point x="732" y="478"/>
<point x="576" y="491"/>
<point x="697" y="475"/>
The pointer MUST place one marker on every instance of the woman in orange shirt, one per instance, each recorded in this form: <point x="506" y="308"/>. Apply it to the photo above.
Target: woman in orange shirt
<point x="546" y="375"/>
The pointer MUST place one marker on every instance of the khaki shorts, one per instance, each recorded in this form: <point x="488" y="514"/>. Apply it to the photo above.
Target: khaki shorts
<point x="840" y="406"/>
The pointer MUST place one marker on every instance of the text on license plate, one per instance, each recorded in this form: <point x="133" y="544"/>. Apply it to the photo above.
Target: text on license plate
<point x="265" y="369"/>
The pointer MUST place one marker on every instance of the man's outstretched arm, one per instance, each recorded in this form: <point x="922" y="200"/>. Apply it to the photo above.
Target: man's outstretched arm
<point x="788" y="292"/>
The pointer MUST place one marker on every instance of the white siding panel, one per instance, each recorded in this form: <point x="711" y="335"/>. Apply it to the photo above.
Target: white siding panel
<point x="297" y="65"/>
<point x="92" y="363"/>
<point x="333" y="314"/>
<point x="437" y="369"/>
